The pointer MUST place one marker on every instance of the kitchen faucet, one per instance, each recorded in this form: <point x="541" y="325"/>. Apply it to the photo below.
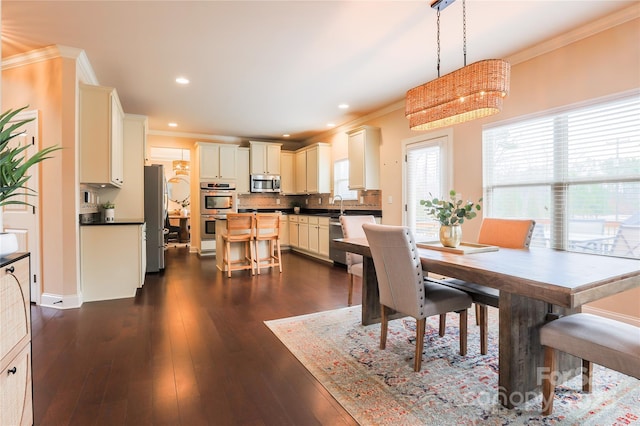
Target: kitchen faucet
<point x="334" y="200"/>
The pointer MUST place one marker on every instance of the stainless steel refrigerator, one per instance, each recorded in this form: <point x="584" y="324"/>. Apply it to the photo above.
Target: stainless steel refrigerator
<point x="155" y="213"/>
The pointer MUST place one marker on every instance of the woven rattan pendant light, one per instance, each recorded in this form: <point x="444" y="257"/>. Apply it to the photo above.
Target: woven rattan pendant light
<point x="471" y="92"/>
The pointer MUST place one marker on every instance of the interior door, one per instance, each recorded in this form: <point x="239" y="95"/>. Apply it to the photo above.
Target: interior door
<point x="21" y="219"/>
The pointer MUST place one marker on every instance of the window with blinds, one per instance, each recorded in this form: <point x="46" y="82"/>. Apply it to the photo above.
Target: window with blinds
<point x="575" y="171"/>
<point x="341" y="180"/>
<point x="425" y="173"/>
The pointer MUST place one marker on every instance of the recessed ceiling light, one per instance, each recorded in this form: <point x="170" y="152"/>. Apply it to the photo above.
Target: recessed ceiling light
<point x="286" y="135"/>
<point x="182" y="80"/>
<point x="331" y="125"/>
<point x="343" y="106"/>
<point x="173" y="124"/>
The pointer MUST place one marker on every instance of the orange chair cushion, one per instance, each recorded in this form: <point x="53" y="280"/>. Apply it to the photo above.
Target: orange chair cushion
<point x="507" y="233"/>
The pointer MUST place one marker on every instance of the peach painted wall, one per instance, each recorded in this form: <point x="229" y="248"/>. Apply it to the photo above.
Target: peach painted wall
<point x="49" y="86"/>
<point x="603" y="64"/>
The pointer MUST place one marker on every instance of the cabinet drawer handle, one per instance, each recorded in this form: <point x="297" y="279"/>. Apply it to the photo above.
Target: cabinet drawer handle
<point x="10" y="269"/>
<point x="13" y="370"/>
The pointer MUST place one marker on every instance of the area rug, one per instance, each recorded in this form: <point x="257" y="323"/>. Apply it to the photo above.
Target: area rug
<point x="379" y="387"/>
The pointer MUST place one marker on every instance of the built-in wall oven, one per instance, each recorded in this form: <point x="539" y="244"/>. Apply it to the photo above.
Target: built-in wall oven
<point x="216" y="200"/>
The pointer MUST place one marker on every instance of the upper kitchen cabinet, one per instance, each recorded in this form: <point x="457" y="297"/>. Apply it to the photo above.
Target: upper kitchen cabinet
<point x="312" y="169"/>
<point x="364" y="158"/>
<point x="101" y="136"/>
<point x="265" y="158"/>
<point x="243" y="185"/>
<point x="287" y="178"/>
<point x="217" y="161"/>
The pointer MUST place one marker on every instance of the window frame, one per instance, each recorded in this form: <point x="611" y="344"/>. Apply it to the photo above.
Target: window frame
<point x="561" y="183"/>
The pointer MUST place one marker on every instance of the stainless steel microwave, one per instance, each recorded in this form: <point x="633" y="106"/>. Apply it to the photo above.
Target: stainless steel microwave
<point x="265" y="183"/>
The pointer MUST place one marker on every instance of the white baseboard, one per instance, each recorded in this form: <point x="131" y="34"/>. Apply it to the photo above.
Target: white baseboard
<point x="612" y="315"/>
<point x="60" y="302"/>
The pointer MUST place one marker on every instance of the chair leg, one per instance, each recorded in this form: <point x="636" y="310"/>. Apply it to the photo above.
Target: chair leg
<point x="252" y="247"/>
<point x="463" y="332"/>
<point x="478" y="309"/>
<point x="443" y="324"/>
<point x="228" y="258"/>
<point x="587" y="375"/>
<point x="350" y="295"/>
<point x="420" y="327"/>
<point x="548" y="380"/>
<point x="279" y="254"/>
<point x="384" y="320"/>
<point x="484" y="312"/>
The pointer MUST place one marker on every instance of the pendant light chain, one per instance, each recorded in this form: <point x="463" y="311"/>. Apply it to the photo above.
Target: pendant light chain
<point x="464" y="31"/>
<point x="438" y="37"/>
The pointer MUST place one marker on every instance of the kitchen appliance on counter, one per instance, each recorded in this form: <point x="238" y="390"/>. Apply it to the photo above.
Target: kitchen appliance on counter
<point x="155" y="212"/>
<point x="265" y="183"/>
<point x="216" y="200"/>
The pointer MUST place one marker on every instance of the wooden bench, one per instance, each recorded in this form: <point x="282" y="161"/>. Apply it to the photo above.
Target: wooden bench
<point x="595" y="339"/>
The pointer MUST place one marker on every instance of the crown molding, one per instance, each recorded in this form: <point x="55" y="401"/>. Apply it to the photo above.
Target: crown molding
<point x="83" y="66"/>
<point x="199" y="136"/>
<point x="577" y="34"/>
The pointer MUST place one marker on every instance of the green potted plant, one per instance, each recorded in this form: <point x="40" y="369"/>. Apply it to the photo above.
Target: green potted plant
<point x="13" y="171"/>
<point x="109" y="211"/>
<point x="451" y="214"/>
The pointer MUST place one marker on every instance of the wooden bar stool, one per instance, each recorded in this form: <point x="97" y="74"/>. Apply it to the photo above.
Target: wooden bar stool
<point x="240" y="229"/>
<point x="268" y="229"/>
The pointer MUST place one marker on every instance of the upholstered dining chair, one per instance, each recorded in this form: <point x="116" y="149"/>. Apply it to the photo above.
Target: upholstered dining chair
<point x="506" y="233"/>
<point x="402" y="288"/>
<point x="240" y="229"/>
<point x="352" y="228"/>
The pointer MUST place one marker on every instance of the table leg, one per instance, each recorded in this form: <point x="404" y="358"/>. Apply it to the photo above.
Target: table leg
<point x="371" y="295"/>
<point x="520" y="352"/>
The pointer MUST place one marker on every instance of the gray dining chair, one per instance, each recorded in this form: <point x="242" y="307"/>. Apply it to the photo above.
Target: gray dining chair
<point x="506" y="233"/>
<point x="594" y="339"/>
<point x="352" y="228"/>
<point x="403" y="289"/>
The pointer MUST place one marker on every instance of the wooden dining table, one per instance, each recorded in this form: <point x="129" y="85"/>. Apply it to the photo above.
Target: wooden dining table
<point x="536" y="285"/>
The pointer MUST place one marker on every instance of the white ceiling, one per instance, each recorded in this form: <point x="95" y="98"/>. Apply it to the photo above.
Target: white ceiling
<point x="259" y="69"/>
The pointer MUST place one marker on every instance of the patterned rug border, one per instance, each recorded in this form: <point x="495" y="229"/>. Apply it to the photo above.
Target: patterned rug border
<point x="389" y="397"/>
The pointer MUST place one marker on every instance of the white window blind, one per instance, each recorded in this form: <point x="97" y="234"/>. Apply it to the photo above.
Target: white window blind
<point x="424" y="174"/>
<point x="341" y="180"/>
<point x="576" y="172"/>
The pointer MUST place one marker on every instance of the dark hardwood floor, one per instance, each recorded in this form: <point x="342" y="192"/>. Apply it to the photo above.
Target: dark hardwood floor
<point x="190" y="349"/>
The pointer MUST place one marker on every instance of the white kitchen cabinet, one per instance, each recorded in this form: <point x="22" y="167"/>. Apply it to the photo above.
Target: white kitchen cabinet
<point x="303" y="232"/>
<point x="101" y="136"/>
<point x="309" y="234"/>
<point x="284" y="231"/>
<point x="287" y="177"/>
<point x="313" y="234"/>
<point x="265" y="158"/>
<point x="129" y="199"/>
<point x="243" y="183"/>
<point x="217" y="161"/>
<point x="301" y="172"/>
<point x="319" y="236"/>
<point x="16" y="400"/>
<point x="313" y="169"/>
<point x="364" y="158"/>
<point x="111" y="261"/>
<point x="323" y="237"/>
<point x="294" y="231"/>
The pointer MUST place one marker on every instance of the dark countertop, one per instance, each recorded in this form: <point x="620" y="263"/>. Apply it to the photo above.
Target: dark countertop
<point x="117" y="222"/>
<point x="316" y="212"/>
<point x="10" y="258"/>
